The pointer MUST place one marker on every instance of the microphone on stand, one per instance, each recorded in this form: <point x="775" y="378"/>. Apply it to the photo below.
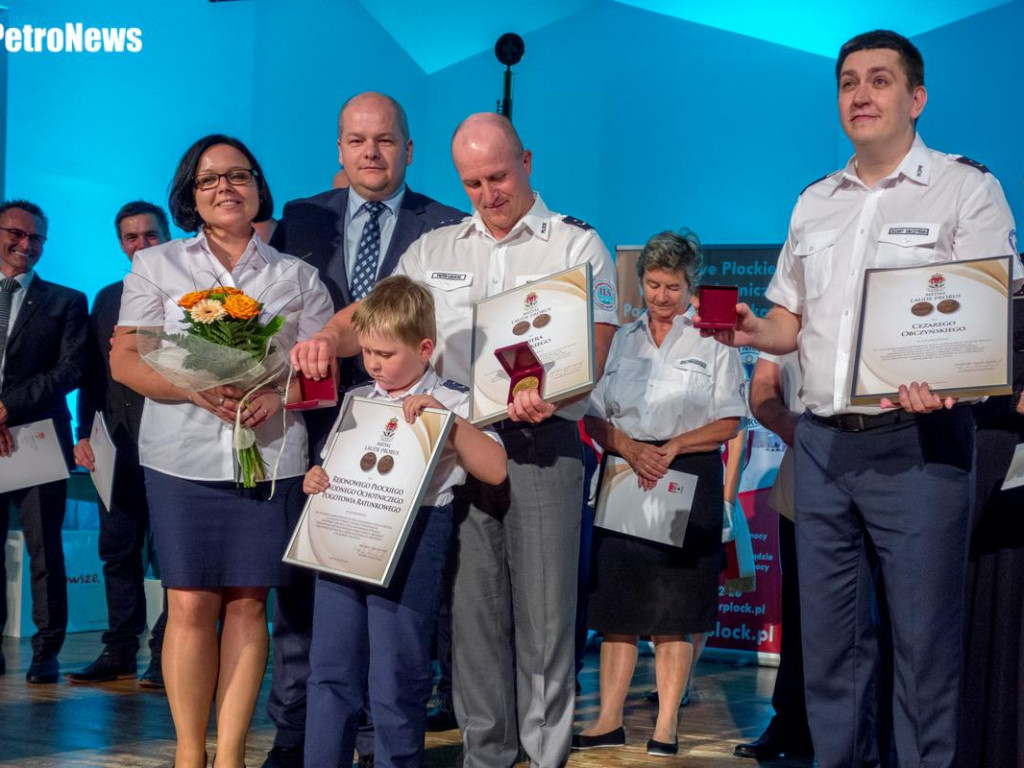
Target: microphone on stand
<point x="509" y="49"/>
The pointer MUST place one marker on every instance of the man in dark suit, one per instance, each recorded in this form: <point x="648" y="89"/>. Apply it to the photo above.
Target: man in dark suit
<point x="354" y="236"/>
<point x="43" y="330"/>
<point x="123" y="527"/>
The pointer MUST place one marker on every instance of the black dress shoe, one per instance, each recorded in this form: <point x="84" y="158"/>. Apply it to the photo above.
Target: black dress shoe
<point x="616" y="738"/>
<point x="109" y="666"/>
<point x="44" y="669"/>
<point x="772" y="745"/>
<point x="442" y="718"/>
<point x="662" y="748"/>
<point x="153" y="678"/>
<point x="284" y="757"/>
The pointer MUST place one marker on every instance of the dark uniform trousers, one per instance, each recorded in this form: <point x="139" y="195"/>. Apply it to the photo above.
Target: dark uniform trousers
<point x="907" y="490"/>
<point x="364" y="633"/>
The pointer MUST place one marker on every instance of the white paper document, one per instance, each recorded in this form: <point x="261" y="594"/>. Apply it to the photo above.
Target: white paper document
<point x="105" y="454"/>
<point x="37" y="457"/>
<point x="660" y="514"/>
<point x="1015" y="475"/>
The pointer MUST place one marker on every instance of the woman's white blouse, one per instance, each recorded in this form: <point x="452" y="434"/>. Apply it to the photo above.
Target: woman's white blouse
<point x="655" y="393"/>
<point x="182" y="439"/>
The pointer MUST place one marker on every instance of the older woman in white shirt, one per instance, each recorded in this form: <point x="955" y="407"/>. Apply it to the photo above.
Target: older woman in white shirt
<point x="668" y="399"/>
<point x="220" y="546"/>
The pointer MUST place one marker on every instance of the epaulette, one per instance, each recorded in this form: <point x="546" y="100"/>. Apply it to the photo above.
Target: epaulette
<point x="576" y="222"/>
<point x="449" y="384"/>
<point x="815" y="182"/>
<point x="972" y="163"/>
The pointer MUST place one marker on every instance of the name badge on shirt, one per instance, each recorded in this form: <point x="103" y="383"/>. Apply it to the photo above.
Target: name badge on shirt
<point x="909" y="234"/>
<point x="694" y="364"/>
<point x="449" y="281"/>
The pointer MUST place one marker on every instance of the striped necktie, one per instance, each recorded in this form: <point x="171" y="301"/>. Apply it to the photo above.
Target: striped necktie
<point x="7" y="288"/>
<point x="368" y="254"/>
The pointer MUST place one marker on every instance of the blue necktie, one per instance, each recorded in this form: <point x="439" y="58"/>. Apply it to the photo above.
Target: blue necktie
<point x="7" y="288"/>
<point x="367" y="256"/>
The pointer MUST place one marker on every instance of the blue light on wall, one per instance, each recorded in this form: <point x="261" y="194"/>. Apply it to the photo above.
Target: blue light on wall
<point x="815" y="26"/>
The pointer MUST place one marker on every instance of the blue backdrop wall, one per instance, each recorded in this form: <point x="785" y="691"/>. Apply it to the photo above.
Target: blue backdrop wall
<point x="639" y="121"/>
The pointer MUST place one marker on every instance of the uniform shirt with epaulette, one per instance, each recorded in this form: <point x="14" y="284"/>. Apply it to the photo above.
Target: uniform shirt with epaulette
<point x="464" y="263"/>
<point x="449" y="471"/>
<point x="933" y="208"/>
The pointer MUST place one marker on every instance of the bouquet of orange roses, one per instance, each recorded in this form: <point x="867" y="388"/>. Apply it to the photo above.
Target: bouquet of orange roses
<point x="225" y="342"/>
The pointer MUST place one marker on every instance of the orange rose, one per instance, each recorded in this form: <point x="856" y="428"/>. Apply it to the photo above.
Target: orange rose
<point x="241" y="307"/>
<point x="189" y="300"/>
<point x="228" y="290"/>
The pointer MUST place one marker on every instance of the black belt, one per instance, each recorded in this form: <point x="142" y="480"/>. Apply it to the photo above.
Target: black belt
<point x="860" y="422"/>
<point x="507" y="425"/>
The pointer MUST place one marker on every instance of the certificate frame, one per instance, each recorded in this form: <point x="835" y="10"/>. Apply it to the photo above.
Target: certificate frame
<point x="951" y="332"/>
<point x="358" y="528"/>
<point x="561" y="303"/>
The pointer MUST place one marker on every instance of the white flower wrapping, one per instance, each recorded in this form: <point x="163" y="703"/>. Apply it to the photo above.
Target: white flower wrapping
<point x="195" y="365"/>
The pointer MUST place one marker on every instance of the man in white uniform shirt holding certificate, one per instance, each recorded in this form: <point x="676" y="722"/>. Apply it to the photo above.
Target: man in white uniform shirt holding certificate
<point x="898" y="477"/>
<point x="521" y="538"/>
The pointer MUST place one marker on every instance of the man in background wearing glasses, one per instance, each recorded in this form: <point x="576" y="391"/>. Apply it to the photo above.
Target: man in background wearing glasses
<point x="43" y="332"/>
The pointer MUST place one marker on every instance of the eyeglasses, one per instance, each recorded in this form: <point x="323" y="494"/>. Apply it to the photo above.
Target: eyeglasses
<point x="238" y="177"/>
<point x="20" y="234"/>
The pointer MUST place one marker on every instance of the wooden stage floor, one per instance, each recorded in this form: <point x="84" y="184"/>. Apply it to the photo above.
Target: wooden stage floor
<point x="120" y="725"/>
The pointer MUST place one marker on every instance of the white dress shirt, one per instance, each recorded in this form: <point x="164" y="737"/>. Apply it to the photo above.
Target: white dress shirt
<point x="355" y="219"/>
<point x="933" y="208"/>
<point x="655" y="393"/>
<point x="464" y="263"/>
<point x="449" y="471"/>
<point x="179" y="438"/>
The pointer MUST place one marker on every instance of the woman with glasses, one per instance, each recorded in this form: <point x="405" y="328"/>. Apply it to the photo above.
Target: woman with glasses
<point x="668" y="400"/>
<point x="219" y="545"/>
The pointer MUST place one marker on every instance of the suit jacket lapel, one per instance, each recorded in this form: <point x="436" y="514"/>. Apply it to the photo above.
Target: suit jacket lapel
<point x="408" y="228"/>
<point x="34" y="298"/>
<point x="337" y="266"/>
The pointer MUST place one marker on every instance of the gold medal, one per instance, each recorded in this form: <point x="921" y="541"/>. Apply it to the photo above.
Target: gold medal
<point x="525" y="383"/>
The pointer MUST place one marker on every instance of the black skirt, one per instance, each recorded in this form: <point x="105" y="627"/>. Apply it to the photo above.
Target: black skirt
<point x="639" y="587"/>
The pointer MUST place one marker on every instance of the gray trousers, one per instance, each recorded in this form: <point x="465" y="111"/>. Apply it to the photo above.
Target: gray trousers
<point x="514" y="603"/>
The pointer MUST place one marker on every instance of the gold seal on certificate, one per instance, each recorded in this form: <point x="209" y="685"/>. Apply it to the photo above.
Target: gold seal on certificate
<point x="947" y="324"/>
<point x="551" y="319"/>
<point x="379" y="466"/>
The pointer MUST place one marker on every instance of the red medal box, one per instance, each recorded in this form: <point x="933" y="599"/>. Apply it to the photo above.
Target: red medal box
<point x="315" y="394"/>
<point x="523" y="367"/>
<point x="717" y="308"/>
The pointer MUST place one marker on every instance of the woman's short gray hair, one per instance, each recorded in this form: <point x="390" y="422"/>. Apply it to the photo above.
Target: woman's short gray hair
<point x="674" y="252"/>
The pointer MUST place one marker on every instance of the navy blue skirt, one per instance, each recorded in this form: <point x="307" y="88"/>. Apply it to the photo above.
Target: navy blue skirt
<point x="217" y="534"/>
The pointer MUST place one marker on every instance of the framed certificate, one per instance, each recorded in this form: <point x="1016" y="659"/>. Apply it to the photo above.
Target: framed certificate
<point x="946" y="324"/>
<point x="380" y="467"/>
<point x="660" y="514"/>
<point x="550" y="321"/>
